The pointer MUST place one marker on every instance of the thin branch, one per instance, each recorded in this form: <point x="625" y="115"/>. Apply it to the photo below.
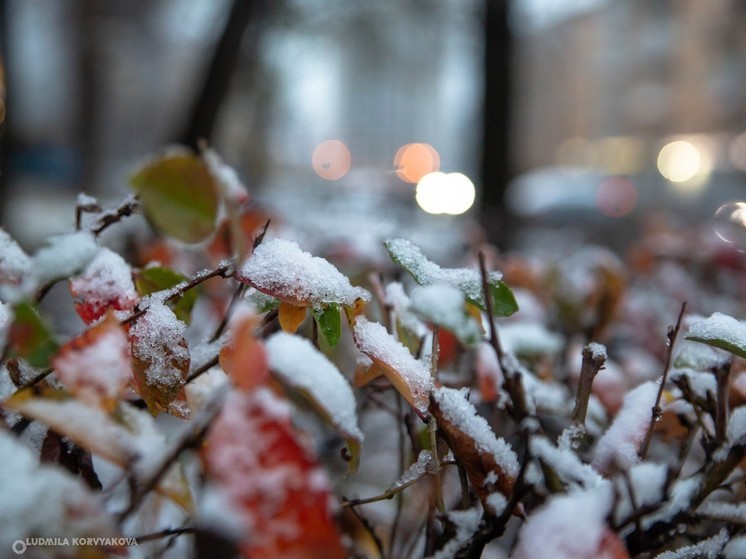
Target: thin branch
<point x="370" y="529"/>
<point x="656" y="411"/>
<point x="129" y="206"/>
<point x="199" y="371"/>
<point x="165" y="534"/>
<point x="722" y="372"/>
<point x="191" y="438"/>
<point x="235" y="298"/>
<point x="224" y="270"/>
<point x="593" y="362"/>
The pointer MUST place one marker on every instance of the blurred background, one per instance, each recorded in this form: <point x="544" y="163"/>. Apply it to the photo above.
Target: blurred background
<point x="587" y="118"/>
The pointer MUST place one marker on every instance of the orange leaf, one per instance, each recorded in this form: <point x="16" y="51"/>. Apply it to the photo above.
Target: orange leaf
<point x="160" y="357"/>
<point x="291" y="317"/>
<point x="252" y="442"/>
<point x="95" y="366"/>
<point x="244" y="357"/>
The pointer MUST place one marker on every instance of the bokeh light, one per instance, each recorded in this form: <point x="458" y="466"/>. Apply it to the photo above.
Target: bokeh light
<point x="679" y="161"/>
<point x="730" y="224"/>
<point x="441" y="193"/>
<point x="331" y="160"/>
<point x="616" y="196"/>
<point x="414" y="161"/>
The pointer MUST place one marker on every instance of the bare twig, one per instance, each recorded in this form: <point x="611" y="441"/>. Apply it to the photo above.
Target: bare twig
<point x="722" y="372"/>
<point x="593" y="362"/>
<point x="235" y="298"/>
<point x="164" y="534"/>
<point x="673" y="332"/>
<point x="129" y="206"/>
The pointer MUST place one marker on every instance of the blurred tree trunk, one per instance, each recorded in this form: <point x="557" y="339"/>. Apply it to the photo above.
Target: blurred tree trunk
<point x="218" y="76"/>
<point x="496" y="161"/>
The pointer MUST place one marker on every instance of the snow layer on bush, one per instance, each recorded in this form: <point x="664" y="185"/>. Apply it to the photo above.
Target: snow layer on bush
<point x="6" y="318"/>
<point x="720" y="326"/>
<point x="44" y="501"/>
<point x="529" y="338"/>
<point x="466" y="523"/>
<point x="619" y="445"/>
<point x="279" y="267"/>
<point x="567" y="526"/>
<point x="565" y="463"/>
<point x="736" y="548"/>
<point x="14" y="262"/>
<point x="443" y="305"/>
<point x="62" y="256"/>
<point x="458" y="411"/>
<point x="648" y="481"/>
<point x="399" y="301"/>
<point x="296" y="361"/>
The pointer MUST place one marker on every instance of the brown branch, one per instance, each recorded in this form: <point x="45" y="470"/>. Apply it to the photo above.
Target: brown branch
<point x="129" y="206"/>
<point x="673" y="332"/>
<point x="722" y="372"/>
<point x="593" y="362"/>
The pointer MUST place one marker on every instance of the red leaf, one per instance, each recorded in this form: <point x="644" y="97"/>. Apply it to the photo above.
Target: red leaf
<point x="105" y="284"/>
<point x="96" y="366"/>
<point x="253" y="455"/>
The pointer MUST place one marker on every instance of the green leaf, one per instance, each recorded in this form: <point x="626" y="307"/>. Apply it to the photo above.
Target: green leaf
<point x="30" y="338"/>
<point x="329" y="322"/>
<point x="410" y="257"/>
<point x="157" y="278"/>
<point x="179" y="195"/>
<point x="503" y="300"/>
<point x="721" y="331"/>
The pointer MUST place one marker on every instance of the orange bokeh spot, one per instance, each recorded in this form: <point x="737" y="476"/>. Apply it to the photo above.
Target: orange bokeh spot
<point x="331" y="160"/>
<point x="616" y="196"/>
<point x="414" y="161"/>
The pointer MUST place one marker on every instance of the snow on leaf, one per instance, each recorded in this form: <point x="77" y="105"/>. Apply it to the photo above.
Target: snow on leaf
<point x="106" y="283"/>
<point x="254" y="458"/>
<point x="14" y="262"/>
<point x="61" y="257"/>
<point x="298" y="364"/>
<point x="483" y="455"/>
<point x="618" y="447"/>
<point x="179" y="194"/>
<point x="408" y="255"/>
<point x="571" y="527"/>
<point x="158" y="278"/>
<point x="280" y="268"/>
<point x="90" y="428"/>
<point x="160" y="356"/>
<point x="29" y="336"/>
<point x="444" y="305"/>
<point x="411" y="377"/>
<point x="244" y="357"/>
<point x="647" y="483"/>
<point x="43" y="501"/>
<point x="720" y="330"/>
<point x="6" y="319"/>
<point x="95" y="366"/>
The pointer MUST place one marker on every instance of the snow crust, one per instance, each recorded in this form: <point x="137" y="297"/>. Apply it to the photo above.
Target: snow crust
<point x="720" y="326"/>
<point x="710" y="548"/>
<point x="280" y="268"/>
<point x="566" y="464"/>
<point x="296" y="361"/>
<point x="155" y="330"/>
<point x="62" y="256"/>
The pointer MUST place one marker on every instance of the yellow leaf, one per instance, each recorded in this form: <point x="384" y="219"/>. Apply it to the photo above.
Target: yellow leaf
<point x="291" y="317"/>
